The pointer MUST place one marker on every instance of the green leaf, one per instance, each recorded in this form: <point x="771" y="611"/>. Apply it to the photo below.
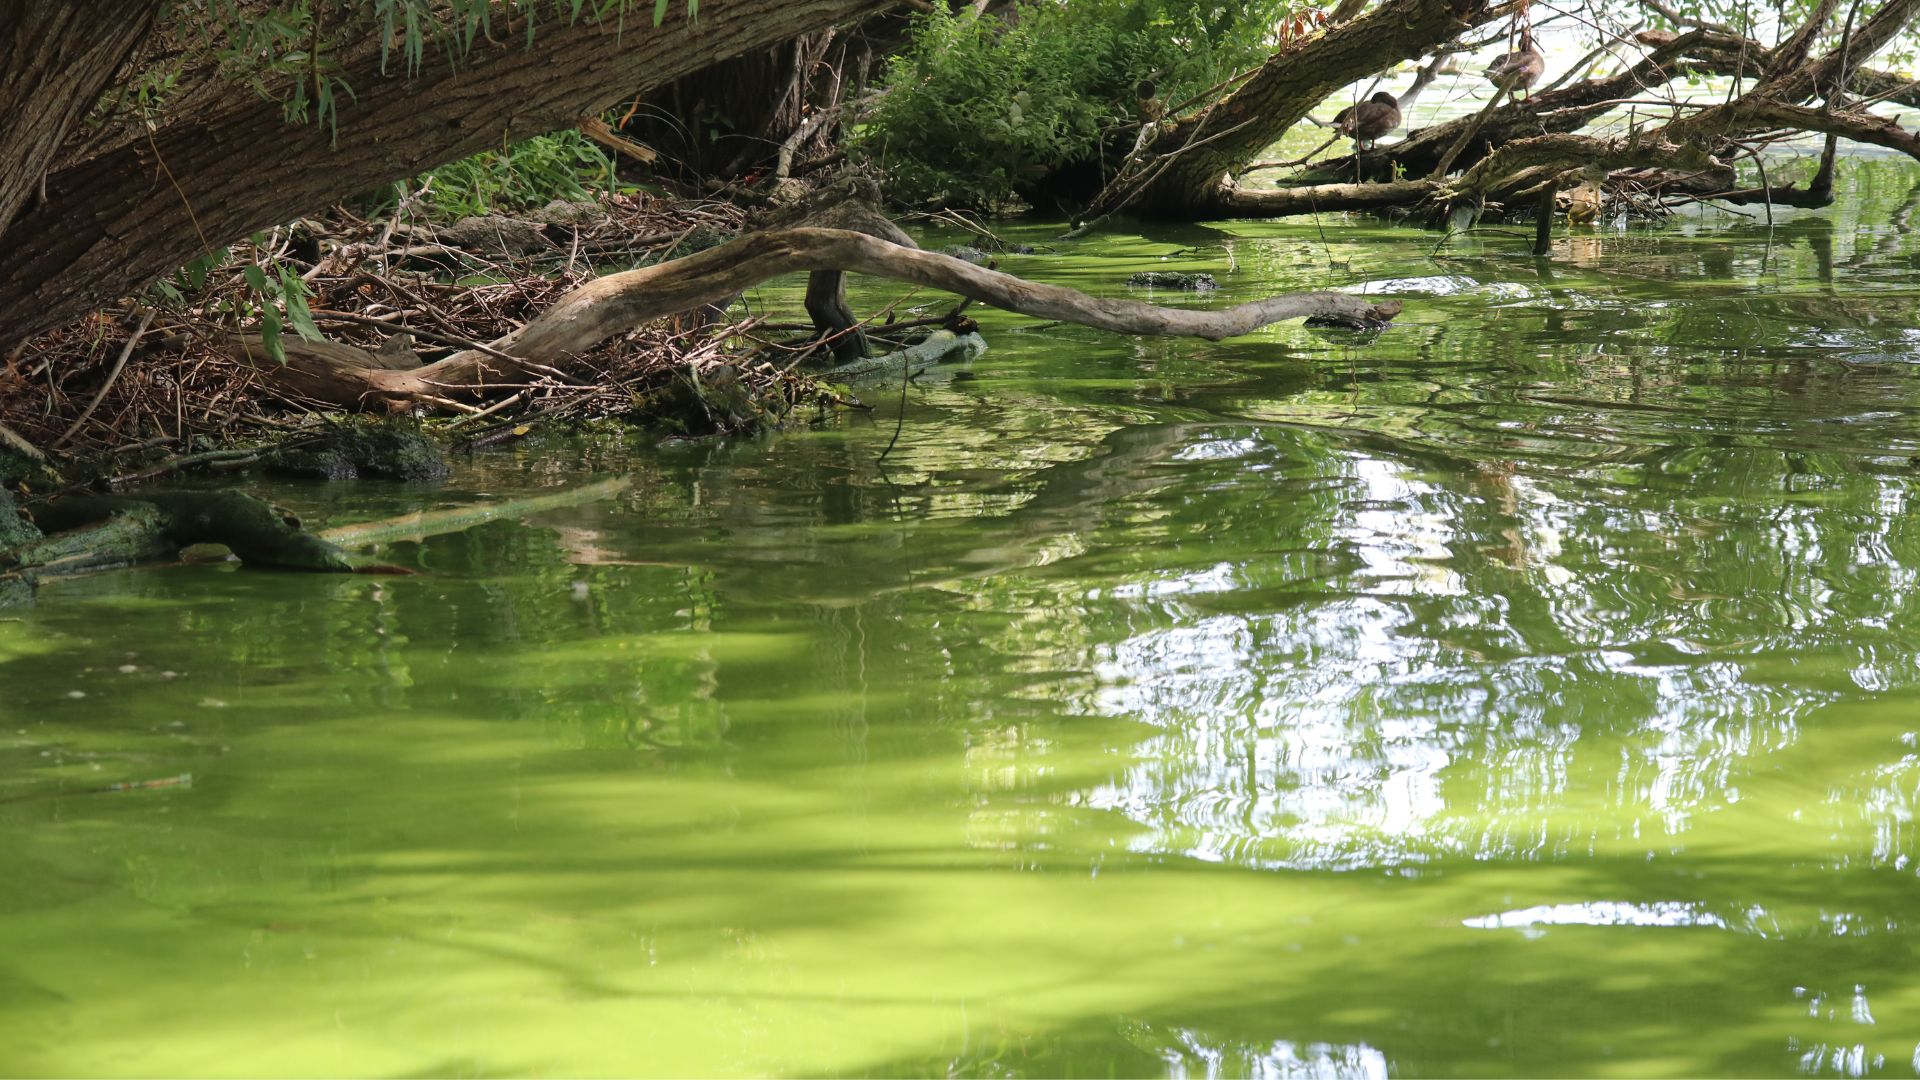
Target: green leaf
<point x="298" y="313"/>
<point x="270" y="335"/>
<point x="659" y="12"/>
<point x="256" y="278"/>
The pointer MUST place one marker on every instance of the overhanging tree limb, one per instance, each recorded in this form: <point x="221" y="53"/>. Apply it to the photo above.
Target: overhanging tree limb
<point x="1292" y="81"/>
<point x="119" y="219"/>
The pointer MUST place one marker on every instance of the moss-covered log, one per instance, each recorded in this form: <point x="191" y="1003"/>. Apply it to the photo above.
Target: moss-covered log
<point x="253" y="529"/>
<point x="93" y="532"/>
<point x="940" y="347"/>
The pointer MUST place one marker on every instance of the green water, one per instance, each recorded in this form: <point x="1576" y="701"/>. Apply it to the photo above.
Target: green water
<point x="1531" y="690"/>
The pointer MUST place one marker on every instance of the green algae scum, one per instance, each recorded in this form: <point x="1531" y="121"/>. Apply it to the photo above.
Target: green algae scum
<point x="1530" y="689"/>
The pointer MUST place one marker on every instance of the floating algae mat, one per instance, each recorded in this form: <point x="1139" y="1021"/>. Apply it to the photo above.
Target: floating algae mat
<point x="1532" y="687"/>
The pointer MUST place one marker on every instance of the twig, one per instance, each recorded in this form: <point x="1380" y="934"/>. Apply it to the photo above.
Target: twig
<point x="20" y="445"/>
<point x="503" y="403"/>
<point x="1311" y="154"/>
<point x="900" y="418"/>
<point x="1460" y="144"/>
<point x="188" y="461"/>
<point x="420" y="332"/>
<point x="146" y="320"/>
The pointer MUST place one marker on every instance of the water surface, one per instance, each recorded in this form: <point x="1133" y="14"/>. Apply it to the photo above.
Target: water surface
<point x="1529" y="690"/>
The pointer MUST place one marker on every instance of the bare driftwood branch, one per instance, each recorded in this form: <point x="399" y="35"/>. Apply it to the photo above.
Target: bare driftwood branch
<point x="619" y="302"/>
<point x="1522" y="144"/>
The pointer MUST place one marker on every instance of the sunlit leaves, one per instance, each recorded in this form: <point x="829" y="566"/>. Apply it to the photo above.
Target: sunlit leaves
<point x="268" y="295"/>
<point x="287" y="50"/>
<point x="978" y="110"/>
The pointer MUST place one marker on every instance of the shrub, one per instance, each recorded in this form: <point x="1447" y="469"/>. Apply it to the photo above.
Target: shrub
<point x="560" y="165"/>
<point x="978" y="111"/>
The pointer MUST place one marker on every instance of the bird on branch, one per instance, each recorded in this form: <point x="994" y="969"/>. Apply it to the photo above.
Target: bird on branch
<point x="1366" y="122"/>
<point x="1520" y="69"/>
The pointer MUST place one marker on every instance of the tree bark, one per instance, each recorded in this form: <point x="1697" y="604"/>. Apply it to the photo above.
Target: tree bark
<point x="833" y="317"/>
<point x="128" y="215"/>
<point x="56" y="57"/>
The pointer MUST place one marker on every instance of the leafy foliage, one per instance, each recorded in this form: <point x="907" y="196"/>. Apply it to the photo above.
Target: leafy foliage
<point x="980" y="110"/>
<point x="562" y="165"/>
<point x="274" y="292"/>
<point x="287" y="49"/>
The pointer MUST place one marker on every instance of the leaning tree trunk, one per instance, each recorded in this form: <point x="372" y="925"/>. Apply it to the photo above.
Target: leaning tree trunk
<point x="120" y="219"/>
<point x="55" y="59"/>
<point x="1190" y="173"/>
<point x="1196" y="156"/>
<point x="1550" y="112"/>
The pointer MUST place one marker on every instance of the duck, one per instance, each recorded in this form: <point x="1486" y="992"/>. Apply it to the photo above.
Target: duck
<point x="1151" y="108"/>
<point x="1584" y="203"/>
<point x="1520" y="69"/>
<point x="1366" y="122"/>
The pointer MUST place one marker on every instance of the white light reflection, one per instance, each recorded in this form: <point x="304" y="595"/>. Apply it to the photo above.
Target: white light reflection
<point x="1601" y="913"/>
<point x="1413" y="693"/>
<point x="1195" y="1055"/>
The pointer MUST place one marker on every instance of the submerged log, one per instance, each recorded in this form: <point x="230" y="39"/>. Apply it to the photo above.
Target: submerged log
<point x="423" y="523"/>
<point x="253" y="529"/>
<point x="127" y="536"/>
<point x="94" y="532"/>
<point x="939" y="347"/>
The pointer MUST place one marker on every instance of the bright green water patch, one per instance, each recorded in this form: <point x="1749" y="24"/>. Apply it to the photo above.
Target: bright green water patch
<point x="1531" y="690"/>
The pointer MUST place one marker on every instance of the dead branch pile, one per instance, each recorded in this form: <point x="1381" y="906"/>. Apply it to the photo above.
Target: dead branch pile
<point x="491" y="317"/>
<point x="158" y="371"/>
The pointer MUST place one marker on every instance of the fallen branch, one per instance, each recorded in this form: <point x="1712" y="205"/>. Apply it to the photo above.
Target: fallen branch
<point x="1327" y="198"/>
<point x="601" y="132"/>
<point x="614" y="304"/>
<point x="12" y="440"/>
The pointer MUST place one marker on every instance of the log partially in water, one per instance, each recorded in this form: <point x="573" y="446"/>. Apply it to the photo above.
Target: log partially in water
<point x="616" y="303"/>
<point x="253" y="529"/>
<point x="94" y="532"/>
<point x="941" y="346"/>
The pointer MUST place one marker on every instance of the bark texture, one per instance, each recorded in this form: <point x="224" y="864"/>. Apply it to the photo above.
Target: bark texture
<point x="126" y="216"/>
<point x="56" y="57"/>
